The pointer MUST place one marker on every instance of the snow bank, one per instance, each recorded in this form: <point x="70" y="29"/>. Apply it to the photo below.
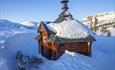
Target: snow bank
<point x="21" y="41"/>
<point x="3" y="64"/>
<point x="24" y="42"/>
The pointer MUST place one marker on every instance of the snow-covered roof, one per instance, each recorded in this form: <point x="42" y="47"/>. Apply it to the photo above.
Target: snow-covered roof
<point x="69" y="28"/>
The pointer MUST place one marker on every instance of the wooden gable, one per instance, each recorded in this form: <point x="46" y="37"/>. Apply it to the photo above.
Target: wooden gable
<point x="42" y="29"/>
<point x="45" y="33"/>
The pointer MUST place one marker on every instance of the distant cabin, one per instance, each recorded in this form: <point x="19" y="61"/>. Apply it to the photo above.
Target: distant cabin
<point x="65" y="33"/>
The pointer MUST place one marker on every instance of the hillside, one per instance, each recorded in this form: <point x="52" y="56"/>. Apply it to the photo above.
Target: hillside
<point x="6" y="24"/>
<point x="30" y="24"/>
<point x="102" y="23"/>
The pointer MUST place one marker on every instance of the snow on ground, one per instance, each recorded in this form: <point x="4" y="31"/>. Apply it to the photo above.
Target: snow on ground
<point x="3" y="64"/>
<point x="24" y="42"/>
<point x="12" y="40"/>
<point x="102" y="58"/>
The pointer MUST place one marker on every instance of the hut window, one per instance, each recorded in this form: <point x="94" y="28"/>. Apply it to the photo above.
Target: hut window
<point x="49" y="39"/>
<point x="52" y="37"/>
<point x="45" y="39"/>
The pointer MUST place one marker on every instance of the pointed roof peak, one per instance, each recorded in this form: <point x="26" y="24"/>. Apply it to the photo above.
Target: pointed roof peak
<point x="65" y="13"/>
<point x="63" y="16"/>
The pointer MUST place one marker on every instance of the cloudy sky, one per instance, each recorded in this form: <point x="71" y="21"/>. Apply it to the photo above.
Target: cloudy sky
<point x="48" y="10"/>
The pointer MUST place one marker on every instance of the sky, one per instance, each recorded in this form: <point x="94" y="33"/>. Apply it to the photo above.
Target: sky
<point x="48" y="10"/>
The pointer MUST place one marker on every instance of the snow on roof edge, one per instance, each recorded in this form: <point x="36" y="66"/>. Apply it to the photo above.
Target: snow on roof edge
<point x="59" y="27"/>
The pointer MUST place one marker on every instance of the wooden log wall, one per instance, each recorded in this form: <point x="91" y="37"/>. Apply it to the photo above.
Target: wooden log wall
<point x="82" y="48"/>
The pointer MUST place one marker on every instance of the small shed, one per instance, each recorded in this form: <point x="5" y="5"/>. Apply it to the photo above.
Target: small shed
<point x="65" y="33"/>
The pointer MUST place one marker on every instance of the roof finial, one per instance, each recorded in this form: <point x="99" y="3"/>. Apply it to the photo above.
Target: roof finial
<point x="64" y="5"/>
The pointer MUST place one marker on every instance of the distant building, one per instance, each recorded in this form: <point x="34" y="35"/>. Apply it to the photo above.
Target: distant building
<point x="65" y="33"/>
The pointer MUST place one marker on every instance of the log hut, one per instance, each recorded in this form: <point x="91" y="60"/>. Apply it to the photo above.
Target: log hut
<point x="65" y="33"/>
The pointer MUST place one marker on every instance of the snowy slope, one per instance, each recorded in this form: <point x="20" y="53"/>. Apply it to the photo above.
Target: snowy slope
<point x="24" y="42"/>
<point x="14" y="37"/>
<point x="30" y="24"/>
<point x="13" y="40"/>
<point x="6" y="24"/>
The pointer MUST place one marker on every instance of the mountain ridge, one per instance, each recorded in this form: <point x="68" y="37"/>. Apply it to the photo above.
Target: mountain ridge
<point x="12" y="25"/>
<point x="102" y="23"/>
